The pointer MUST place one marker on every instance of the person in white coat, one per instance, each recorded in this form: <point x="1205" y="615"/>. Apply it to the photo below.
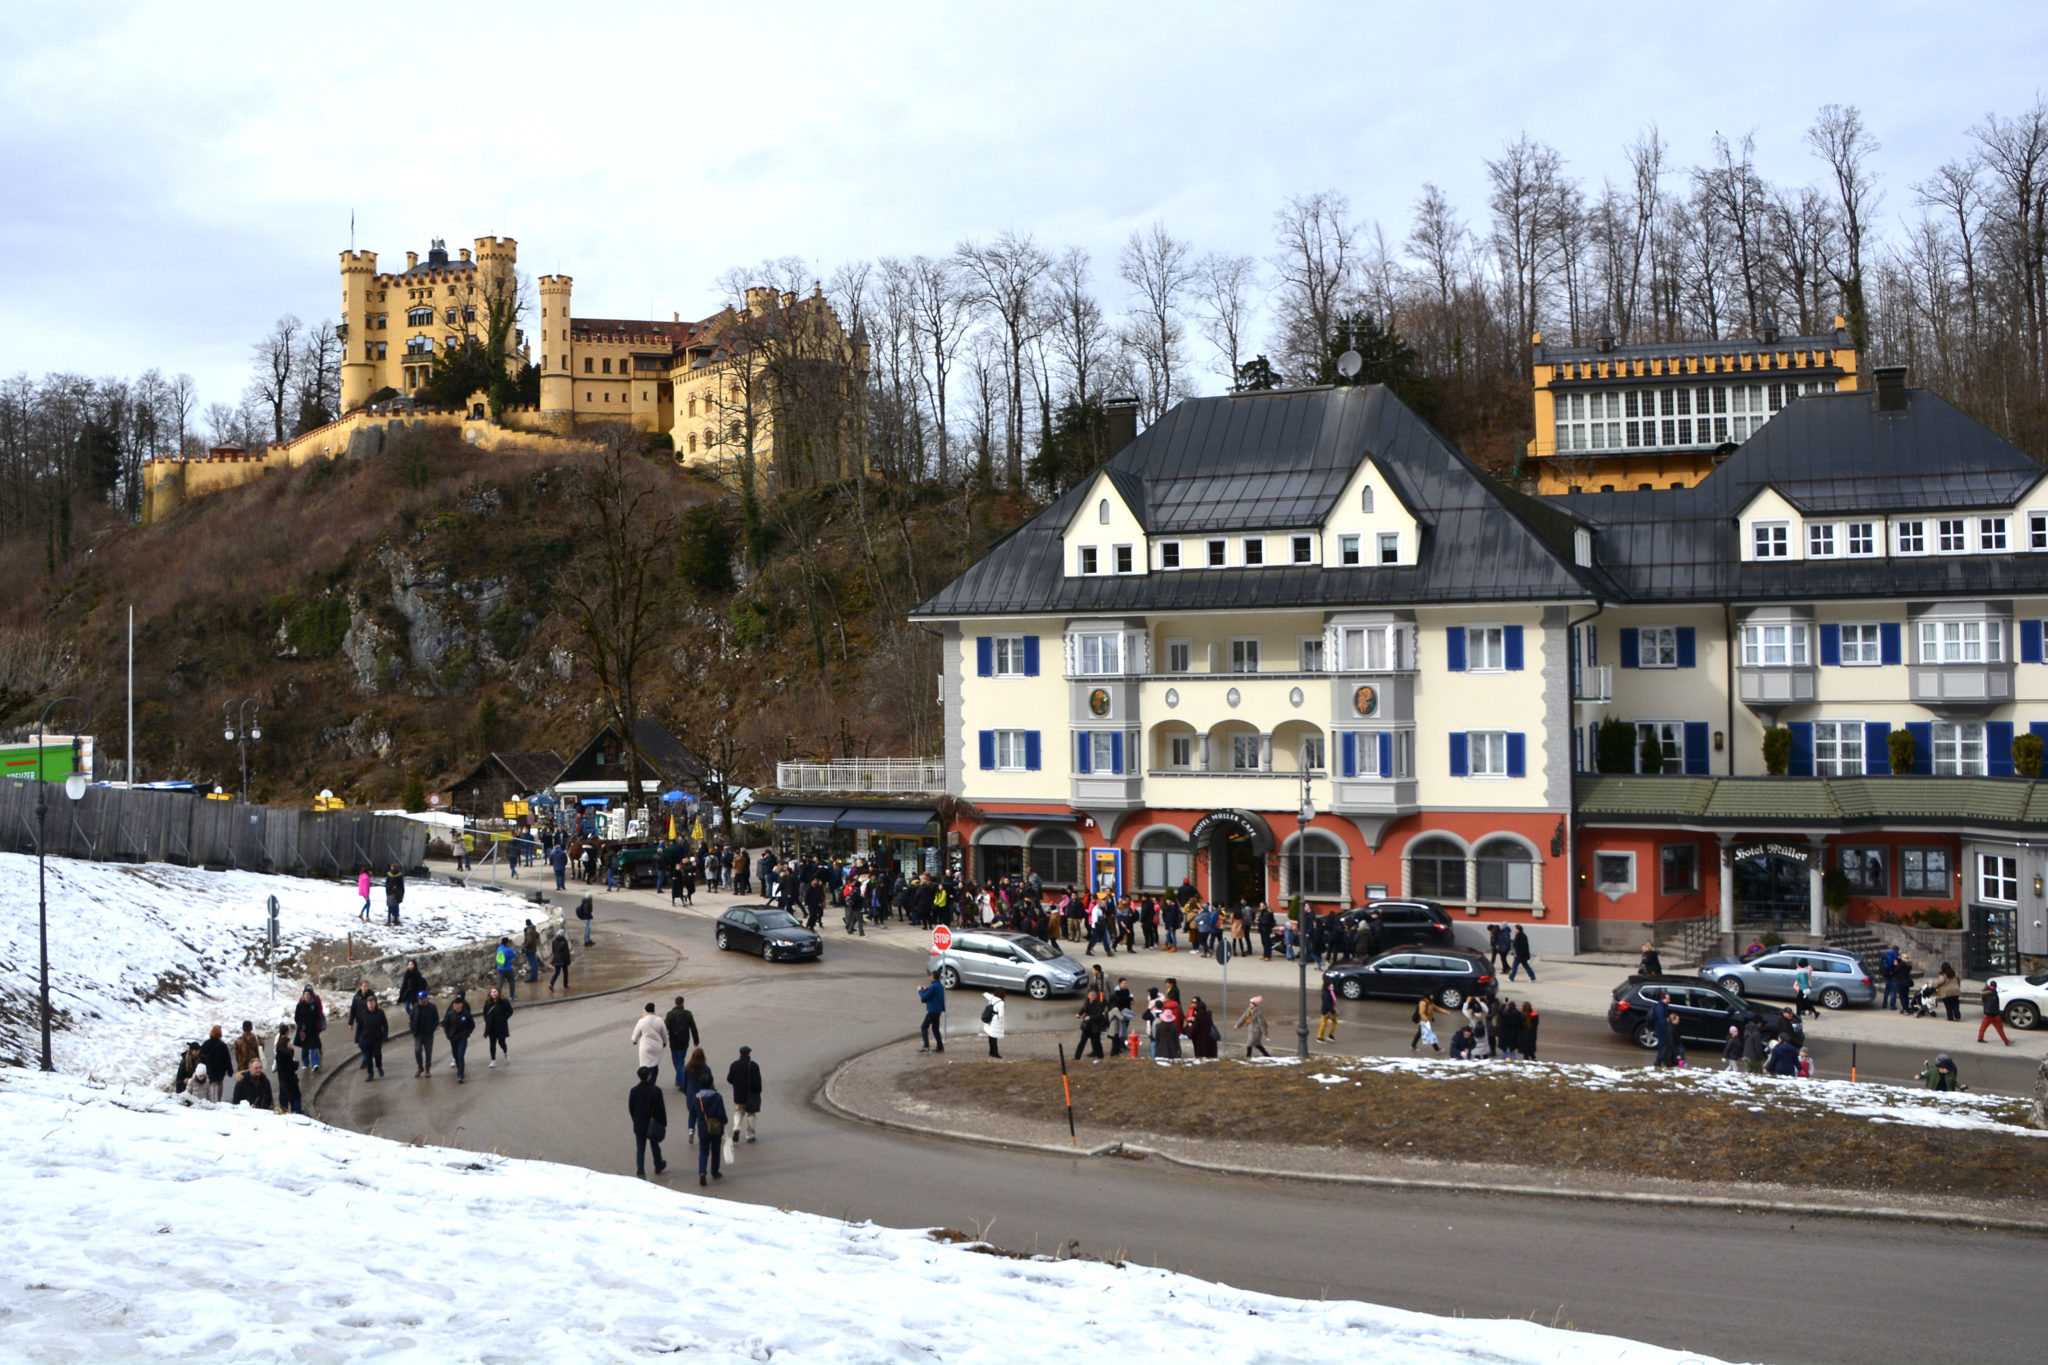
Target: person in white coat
<point x="992" y="1021"/>
<point x="650" y="1036"/>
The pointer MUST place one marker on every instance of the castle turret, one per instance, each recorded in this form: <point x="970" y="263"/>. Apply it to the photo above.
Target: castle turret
<point x="556" y="393"/>
<point x="358" y="347"/>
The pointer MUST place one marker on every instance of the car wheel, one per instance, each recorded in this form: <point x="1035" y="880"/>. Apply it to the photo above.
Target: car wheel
<point x="949" y="978"/>
<point x="1834" y="998"/>
<point x="1646" y="1038"/>
<point x="2023" y="1014"/>
<point x="1733" y="983"/>
<point x="1038" y="987"/>
<point x="1450" y="997"/>
<point x="724" y="941"/>
<point x="1351" y="988"/>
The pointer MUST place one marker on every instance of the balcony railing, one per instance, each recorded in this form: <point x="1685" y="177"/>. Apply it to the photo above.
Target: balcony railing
<point x="863" y="775"/>
<point x="1596" y="684"/>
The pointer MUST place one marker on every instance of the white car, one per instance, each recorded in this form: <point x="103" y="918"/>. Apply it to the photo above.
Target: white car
<point x="2023" y="998"/>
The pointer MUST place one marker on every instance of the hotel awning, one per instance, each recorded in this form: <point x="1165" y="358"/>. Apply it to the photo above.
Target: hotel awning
<point x="888" y="821"/>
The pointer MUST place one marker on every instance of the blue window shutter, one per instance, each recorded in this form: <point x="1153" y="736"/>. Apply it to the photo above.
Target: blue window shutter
<point x="1802" y="748"/>
<point x="1688" y="649"/>
<point x="1888" y="643"/>
<point x="1877" y="753"/>
<point x="1631" y="648"/>
<point x="1084" y="753"/>
<point x="1350" y="747"/>
<point x="984" y="656"/>
<point x="1031" y="751"/>
<point x="1459" y="765"/>
<point x="2030" y="642"/>
<point x="1998" y="748"/>
<point x="988" y="749"/>
<point x="1454" y="649"/>
<point x="1386" y="754"/>
<point x="1592" y="646"/>
<point x="2038" y="727"/>
<point x="1031" y="656"/>
<point x="1831" y="646"/>
<point x="1923" y="744"/>
<point x="1511" y="638"/>
<point x="1116" y="751"/>
<point x="1696" y="746"/>
<point x="1518" y="754"/>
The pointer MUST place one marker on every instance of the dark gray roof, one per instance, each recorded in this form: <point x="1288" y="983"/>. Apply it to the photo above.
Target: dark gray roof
<point x="1277" y="461"/>
<point x="1548" y="354"/>
<point x="1831" y="454"/>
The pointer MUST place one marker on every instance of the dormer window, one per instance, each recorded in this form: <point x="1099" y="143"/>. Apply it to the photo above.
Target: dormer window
<point x="1304" y="550"/>
<point x="1772" y="539"/>
<point x="1820" y="540"/>
<point x="1169" y="554"/>
<point x="1990" y="534"/>
<point x="1089" y="564"/>
<point x="1951" y="536"/>
<point x="1390" y="547"/>
<point x="1862" y="537"/>
<point x="1254" y="550"/>
<point x="1912" y="537"/>
<point x="1217" y="553"/>
<point x="1347" y="551"/>
<point x="1124" y="559"/>
<point x="1102" y="511"/>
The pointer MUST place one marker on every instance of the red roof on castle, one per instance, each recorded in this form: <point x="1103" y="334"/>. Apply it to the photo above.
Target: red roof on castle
<point x="675" y="333"/>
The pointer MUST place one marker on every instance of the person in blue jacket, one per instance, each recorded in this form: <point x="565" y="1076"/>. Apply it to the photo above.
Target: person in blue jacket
<point x="933" y="1029"/>
<point x="711" y="1120"/>
<point x="1784" y="1058"/>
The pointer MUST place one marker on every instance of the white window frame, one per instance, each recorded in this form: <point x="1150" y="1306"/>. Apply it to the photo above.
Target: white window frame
<point x="1010" y="751"/>
<point x="1840" y="736"/>
<point x="1910" y="537"/>
<point x="1486" y="753"/>
<point x="1088" y="561"/>
<point x="1254" y="551"/>
<point x="1757" y="648"/>
<point x="1006" y="656"/>
<point x="1303" y="550"/>
<point x="1245" y="753"/>
<point x="1244" y="649"/>
<point x="1860" y="539"/>
<point x="1993" y="534"/>
<point x="1316" y="750"/>
<point x="1998" y="878"/>
<point x="1657" y="646"/>
<point x="1820" y="540"/>
<point x="1169" y="554"/>
<point x="1107" y="646"/>
<point x="1770" y="540"/>
<point x="1349" y="552"/>
<point x="1670" y="741"/>
<point x="1101" y="751"/>
<point x="1180" y="752"/>
<point x="1950" y="641"/>
<point x="1609" y="885"/>
<point x="1186" y="663"/>
<point x="1486" y="649"/>
<point x="1302" y="645"/>
<point x="1952" y="535"/>
<point x="1218" y="556"/>
<point x="1388" y="639"/>
<point x="1124" y="558"/>
<point x="1960" y="749"/>
<point x="2037" y="530"/>
<point x="1867" y="648"/>
<point x="1389" y="543"/>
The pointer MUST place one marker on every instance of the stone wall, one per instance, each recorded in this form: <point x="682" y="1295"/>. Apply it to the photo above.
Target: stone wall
<point x="468" y="966"/>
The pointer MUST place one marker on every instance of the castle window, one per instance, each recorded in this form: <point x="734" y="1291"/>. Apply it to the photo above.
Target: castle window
<point x="589" y="365"/>
<point x="693" y="445"/>
<point x="607" y="367"/>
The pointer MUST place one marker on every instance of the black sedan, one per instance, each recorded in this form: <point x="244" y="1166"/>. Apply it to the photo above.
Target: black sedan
<point x="1451" y="975"/>
<point x="1703" y="1010"/>
<point x="773" y="933"/>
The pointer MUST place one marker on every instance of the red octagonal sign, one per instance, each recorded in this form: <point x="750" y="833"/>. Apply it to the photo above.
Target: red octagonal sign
<point x="942" y="939"/>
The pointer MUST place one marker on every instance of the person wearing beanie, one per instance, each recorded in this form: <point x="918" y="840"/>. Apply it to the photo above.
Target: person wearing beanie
<point x="744" y="1076"/>
<point x="682" y="1036"/>
<point x="649" y="1113"/>
<point x="248" y="1047"/>
<point x="425" y="1019"/>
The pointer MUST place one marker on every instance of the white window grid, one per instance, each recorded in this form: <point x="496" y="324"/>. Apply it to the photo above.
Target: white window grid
<point x="1098" y="654"/>
<point x="1089" y="562"/>
<point x="1244" y="655"/>
<point x="1774" y="646"/>
<point x="1486" y="753"/>
<point x="1219" y="551"/>
<point x="1180" y="656"/>
<point x="1959" y="748"/>
<point x="1820" y="540"/>
<point x="1771" y="539"/>
<point x="1169" y="554"/>
<point x="1991" y="535"/>
<point x="1254" y="550"/>
<point x="1010" y="750"/>
<point x="1998" y="878"/>
<point x="1126" y="559"/>
<point x="1304" y="549"/>
<point x="2037" y="530"/>
<point x="1390" y="547"/>
<point x="1862" y="643"/>
<point x="1911" y="538"/>
<point x="1657" y="647"/>
<point x="1368" y="649"/>
<point x="1838" y="748"/>
<point x="1347" y="550"/>
<point x="1009" y="656"/>
<point x="1862" y="537"/>
<point x="1962" y="642"/>
<point x="1670" y="741"/>
<point x="1951" y="535"/>
<point x="1486" y="649"/>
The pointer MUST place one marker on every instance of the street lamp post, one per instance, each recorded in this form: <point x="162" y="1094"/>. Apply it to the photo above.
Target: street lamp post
<point x="74" y="787"/>
<point x="1304" y="815"/>
<point x="241" y="735"/>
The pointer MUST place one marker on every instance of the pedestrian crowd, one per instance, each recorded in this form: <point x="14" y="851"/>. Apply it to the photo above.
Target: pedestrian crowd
<point x="710" y="1124"/>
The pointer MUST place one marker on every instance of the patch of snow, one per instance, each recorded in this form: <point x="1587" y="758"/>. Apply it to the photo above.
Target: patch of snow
<point x="143" y="1221"/>
<point x="121" y="933"/>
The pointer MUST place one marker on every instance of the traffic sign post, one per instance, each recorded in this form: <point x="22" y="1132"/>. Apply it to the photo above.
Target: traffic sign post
<point x="942" y="938"/>
<point x="270" y="939"/>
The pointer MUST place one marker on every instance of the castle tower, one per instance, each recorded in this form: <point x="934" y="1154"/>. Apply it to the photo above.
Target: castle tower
<point x="556" y="390"/>
<point x="496" y="262"/>
<point x="358" y="358"/>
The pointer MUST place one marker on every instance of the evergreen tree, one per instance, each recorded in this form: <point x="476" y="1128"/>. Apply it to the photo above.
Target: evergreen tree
<point x="1257" y="375"/>
<point x="1077" y="444"/>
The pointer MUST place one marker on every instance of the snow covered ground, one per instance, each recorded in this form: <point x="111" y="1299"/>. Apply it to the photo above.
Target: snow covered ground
<point x="124" y="938"/>
<point x="140" y="1224"/>
<point x="1864" y="1099"/>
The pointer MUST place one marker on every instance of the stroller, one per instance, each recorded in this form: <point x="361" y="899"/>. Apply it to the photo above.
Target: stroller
<point x="1921" y="1002"/>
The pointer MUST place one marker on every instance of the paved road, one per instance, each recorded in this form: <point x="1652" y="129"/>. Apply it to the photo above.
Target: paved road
<point x="1744" y="1287"/>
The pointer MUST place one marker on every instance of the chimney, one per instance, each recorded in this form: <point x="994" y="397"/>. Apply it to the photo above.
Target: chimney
<point x="1604" y="341"/>
<point x="412" y="259"/>
<point x="1767" y="331"/>
<point x="1891" y="387"/>
<point x="1123" y="422"/>
<point x="465" y="252"/>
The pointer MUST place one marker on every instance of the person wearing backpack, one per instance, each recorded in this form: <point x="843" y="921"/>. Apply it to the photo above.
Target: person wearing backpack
<point x="506" y="961"/>
<point x="649" y="1113"/>
<point x="1888" y="970"/>
<point x="394" y="894"/>
<point x="586" y="913"/>
<point x="560" y="957"/>
<point x="992" y="1021"/>
<point x="711" y="1120"/>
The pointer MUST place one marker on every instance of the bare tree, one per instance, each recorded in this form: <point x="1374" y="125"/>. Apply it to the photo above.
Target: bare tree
<point x="1315" y="262"/>
<point x="1223" y="291"/>
<point x="1075" y="332"/>
<point x="1439" y="240"/>
<point x="277" y="362"/>
<point x="1004" y="281"/>
<point x="1155" y="264"/>
<point x="1839" y="138"/>
<point x="1954" y="190"/>
<point x="2015" y="155"/>
<point x="1732" y="194"/>
<point x="319" y="377"/>
<point x="35" y="665"/>
<point x="1525" y="178"/>
<point x="940" y="309"/>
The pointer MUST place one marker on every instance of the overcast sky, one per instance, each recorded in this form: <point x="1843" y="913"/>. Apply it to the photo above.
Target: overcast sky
<point x="177" y="176"/>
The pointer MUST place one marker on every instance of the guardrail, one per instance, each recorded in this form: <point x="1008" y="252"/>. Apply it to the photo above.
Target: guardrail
<point x="863" y="775"/>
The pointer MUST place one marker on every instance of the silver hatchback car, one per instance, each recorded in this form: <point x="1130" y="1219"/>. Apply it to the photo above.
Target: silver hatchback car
<point x="1017" y="962"/>
<point x="1838" y="978"/>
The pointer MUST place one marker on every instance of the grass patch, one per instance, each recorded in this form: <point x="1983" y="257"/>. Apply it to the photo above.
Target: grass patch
<point x="1666" y="1127"/>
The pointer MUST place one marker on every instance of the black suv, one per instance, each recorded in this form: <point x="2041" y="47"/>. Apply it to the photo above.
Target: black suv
<point x="1390" y="924"/>
<point x="1704" y="1011"/>
<point x="1450" y="975"/>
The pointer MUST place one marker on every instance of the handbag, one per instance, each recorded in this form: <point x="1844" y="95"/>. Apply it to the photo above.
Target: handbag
<point x="656" y="1132"/>
<point x="988" y="1014"/>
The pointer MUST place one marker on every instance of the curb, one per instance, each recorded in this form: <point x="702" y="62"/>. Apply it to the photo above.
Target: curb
<point x="320" y="1090"/>
<point x="1722" y="1204"/>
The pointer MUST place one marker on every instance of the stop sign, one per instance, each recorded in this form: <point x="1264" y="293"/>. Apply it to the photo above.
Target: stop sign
<point x="942" y="939"/>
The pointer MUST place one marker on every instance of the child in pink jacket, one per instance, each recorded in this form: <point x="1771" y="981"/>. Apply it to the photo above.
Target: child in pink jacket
<point x="363" y="890"/>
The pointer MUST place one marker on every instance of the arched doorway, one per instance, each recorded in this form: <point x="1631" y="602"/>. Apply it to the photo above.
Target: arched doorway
<point x="1234" y="844"/>
<point x="1773" y="887"/>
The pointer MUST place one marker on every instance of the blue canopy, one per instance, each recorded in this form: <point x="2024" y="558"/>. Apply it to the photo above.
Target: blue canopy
<point x="673" y="797"/>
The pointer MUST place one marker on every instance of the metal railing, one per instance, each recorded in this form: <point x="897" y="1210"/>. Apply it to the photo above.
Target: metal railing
<point x="1596" y="683"/>
<point x="863" y="775"/>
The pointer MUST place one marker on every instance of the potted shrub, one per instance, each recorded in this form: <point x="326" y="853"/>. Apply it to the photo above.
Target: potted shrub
<point x="1900" y="742"/>
<point x="1616" y="746"/>
<point x="1777" y="750"/>
<point x="2026" y="755"/>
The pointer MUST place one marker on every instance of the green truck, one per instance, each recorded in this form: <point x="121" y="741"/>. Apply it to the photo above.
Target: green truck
<point x="61" y="756"/>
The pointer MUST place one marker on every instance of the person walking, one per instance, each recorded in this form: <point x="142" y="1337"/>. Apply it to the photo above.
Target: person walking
<point x="744" y="1076"/>
<point x="1670" y="1044"/>
<point x="529" y="944"/>
<point x="1994" y="1013"/>
<point x="1094" y="1017"/>
<point x="394" y="894"/>
<point x="992" y="1021"/>
<point x="289" y="1098"/>
<point x="363" y="890"/>
<point x="586" y="912"/>
<point x="1948" y="989"/>
<point x="1500" y="947"/>
<point x="650" y="1037"/>
<point x="649" y="1113"/>
<point x="1202" y="1030"/>
<point x="711" y="1121"/>
<point x="498" y="1027"/>
<point x="1326" y="1027"/>
<point x="1802" y="990"/>
<point x="248" y="1047"/>
<point x="559" y="957"/>
<point x="1530" y="1019"/>
<point x="1255" y="1026"/>
<point x="459" y="1025"/>
<point x="1651" y="964"/>
<point x="1425" y="1025"/>
<point x="1905" y="971"/>
<point x="681" y="1026"/>
<point x="558" y="859"/>
<point x="505" y="958"/>
<point x="932" y="1032"/>
<point x="1753" y="1049"/>
<point x="425" y="1019"/>
<point x="411" y="986"/>
<point x="1520" y="945"/>
<point x="696" y="1075"/>
<point x="1731" y="1051"/>
<point x="253" y="1088"/>
<point x="371" y="1031"/>
<point x="310" y="1016"/>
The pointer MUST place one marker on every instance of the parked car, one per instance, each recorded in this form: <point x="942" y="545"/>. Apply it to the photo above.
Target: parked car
<point x="1451" y="975"/>
<point x="769" y="930"/>
<point x="2024" y="998"/>
<point x="1013" y="961"/>
<point x="1393" y="924"/>
<point x="1839" y="979"/>
<point x="1704" y="1010"/>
